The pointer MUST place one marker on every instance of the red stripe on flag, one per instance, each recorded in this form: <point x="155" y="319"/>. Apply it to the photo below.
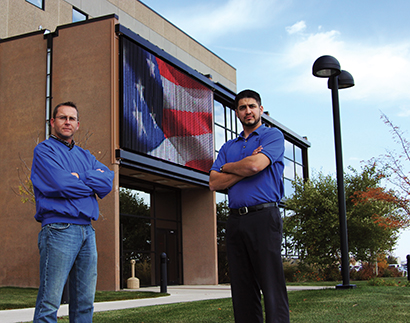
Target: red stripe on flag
<point x="177" y="77"/>
<point x="185" y="123"/>
<point x="202" y="164"/>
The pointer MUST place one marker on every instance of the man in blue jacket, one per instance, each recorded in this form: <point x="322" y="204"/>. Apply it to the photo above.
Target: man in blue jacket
<point x="66" y="180"/>
<point x="251" y="168"/>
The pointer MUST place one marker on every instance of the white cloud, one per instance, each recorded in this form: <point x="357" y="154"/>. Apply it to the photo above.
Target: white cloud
<point x="233" y="16"/>
<point x="381" y="72"/>
<point x="404" y="111"/>
<point x="312" y="46"/>
<point x="296" y="28"/>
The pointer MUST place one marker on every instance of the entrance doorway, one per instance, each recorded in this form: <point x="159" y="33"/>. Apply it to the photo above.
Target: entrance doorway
<point x="150" y="224"/>
<point x="168" y="243"/>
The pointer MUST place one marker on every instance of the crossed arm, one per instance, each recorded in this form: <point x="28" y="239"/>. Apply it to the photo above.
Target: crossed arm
<point x="52" y="180"/>
<point x="78" y="176"/>
<point x="236" y="171"/>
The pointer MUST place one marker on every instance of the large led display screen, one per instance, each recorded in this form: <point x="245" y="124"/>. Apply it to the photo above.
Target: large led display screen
<point x="166" y="113"/>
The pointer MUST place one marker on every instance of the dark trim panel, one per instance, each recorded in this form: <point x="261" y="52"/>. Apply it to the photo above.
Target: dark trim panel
<point x="159" y="167"/>
<point x="33" y="33"/>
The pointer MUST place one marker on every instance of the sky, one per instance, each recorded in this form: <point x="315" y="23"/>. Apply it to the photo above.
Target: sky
<point x="273" y="45"/>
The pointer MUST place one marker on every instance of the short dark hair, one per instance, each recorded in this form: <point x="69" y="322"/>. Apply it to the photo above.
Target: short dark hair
<point x="68" y="104"/>
<point x="247" y="94"/>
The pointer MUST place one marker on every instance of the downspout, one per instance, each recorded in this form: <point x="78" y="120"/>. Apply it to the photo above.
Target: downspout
<point x="49" y="36"/>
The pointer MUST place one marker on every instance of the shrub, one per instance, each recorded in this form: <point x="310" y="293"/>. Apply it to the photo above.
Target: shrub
<point x="381" y="282"/>
<point x="386" y="273"/>
<point x="366" y="272"/>
<point x="332" y="274"/>
<point x="299" y="272"/>
<point x="391" y="272"/>
<point x="290" y="269"/>
<point x="354" y="274"/>
<point x="307" y="276"/>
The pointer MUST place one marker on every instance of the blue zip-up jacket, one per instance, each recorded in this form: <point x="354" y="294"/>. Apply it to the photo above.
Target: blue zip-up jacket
<point x="60" y="196"/>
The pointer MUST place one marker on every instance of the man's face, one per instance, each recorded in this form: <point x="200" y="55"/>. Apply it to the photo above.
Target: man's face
<point x="249" y="112"/>
<point x="66" y="123"/>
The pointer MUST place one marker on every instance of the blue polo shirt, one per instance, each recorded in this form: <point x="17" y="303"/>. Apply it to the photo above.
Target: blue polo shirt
<point x="267" y="185"/>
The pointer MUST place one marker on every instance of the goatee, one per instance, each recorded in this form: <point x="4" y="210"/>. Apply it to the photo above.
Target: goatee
<point x="250" y="124"/>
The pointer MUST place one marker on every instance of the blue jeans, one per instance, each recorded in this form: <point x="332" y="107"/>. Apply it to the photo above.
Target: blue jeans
<point x="67" y="251"/>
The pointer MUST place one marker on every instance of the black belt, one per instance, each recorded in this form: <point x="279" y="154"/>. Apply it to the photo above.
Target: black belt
<point x="247" y="209"/>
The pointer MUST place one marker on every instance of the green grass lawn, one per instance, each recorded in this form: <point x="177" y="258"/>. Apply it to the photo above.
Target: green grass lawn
<point x="362" y="304"/>
<point x="14" y="297"/>
<point x="365" y="303"/>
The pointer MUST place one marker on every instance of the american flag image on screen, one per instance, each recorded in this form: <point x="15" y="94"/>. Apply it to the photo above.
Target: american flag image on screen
<point x="166" y="113"/>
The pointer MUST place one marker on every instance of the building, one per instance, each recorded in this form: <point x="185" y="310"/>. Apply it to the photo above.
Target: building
<point x="154" y="107"/>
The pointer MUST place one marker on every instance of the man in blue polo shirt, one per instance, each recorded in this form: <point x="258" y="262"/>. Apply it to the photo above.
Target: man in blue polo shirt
<point x="251" y="168"/>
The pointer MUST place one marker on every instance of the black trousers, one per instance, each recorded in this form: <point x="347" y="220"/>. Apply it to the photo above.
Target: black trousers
<point x="255" y="264"/>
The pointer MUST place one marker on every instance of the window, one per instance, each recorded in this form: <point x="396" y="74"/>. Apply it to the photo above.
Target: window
<point x="222" y="212"/>
<point x="37" y="3"/>
<point x="293" y="166"/>
<point x="79" y="15"/>
<point x="226" y="126"/>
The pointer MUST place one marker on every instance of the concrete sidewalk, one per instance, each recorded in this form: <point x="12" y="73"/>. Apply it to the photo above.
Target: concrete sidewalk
<point x="178" y="294"/>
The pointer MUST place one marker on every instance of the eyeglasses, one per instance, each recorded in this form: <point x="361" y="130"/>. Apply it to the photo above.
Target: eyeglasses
<point x="64" y="118"/>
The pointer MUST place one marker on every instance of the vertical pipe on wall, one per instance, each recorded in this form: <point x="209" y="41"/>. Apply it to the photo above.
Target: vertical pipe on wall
<point x="49" y="36"/>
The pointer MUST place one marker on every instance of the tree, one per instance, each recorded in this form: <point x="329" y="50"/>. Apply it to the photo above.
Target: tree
<point x="313" y="228"/>
<point x="25" y="188"/>
<point x="396" y="166"/>
<point x="375" y="214"/>
<point x="135" y="221"/>
<point x="135" y="235"/>
<point x="222" y="211"/>
<point x="373" y="218"/>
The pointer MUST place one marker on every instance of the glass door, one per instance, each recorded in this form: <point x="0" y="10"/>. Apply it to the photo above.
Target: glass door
<point x="150" y="225"/>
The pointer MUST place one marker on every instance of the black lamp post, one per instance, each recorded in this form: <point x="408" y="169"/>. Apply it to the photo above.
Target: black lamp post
<point x="329" y="67"/>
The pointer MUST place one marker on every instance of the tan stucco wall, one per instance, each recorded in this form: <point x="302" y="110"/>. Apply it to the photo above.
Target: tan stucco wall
<point x="20" y="17"/>
<point x="199" y="237"/>
<point x="22" y="113"/>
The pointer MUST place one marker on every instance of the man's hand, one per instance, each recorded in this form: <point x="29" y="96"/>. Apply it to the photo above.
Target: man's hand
<point x="220" y="181"/>
<point x="78" y="176"/>
<point x="257" y="150"/>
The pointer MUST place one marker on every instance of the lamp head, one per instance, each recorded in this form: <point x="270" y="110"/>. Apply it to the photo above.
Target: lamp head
<point x="326" y="66"/>
<point x="345" y="80"/>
